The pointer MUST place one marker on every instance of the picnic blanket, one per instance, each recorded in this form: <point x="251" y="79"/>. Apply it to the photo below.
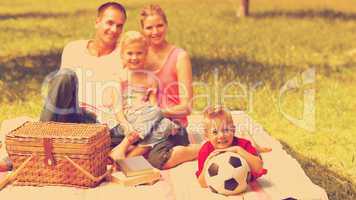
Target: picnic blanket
<point x="285" y="178"/>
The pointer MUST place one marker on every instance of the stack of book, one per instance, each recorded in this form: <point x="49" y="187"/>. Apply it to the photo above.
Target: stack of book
<point x="135" y="171"/>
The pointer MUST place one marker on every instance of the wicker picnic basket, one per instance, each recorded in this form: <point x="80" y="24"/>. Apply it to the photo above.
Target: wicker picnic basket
<point x="51" y="153"/>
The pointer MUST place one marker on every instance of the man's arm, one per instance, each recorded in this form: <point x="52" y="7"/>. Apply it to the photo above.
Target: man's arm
<point x="70" y="57"/>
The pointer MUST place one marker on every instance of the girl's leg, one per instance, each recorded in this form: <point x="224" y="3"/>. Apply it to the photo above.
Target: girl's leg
<point x="173" y="151"/>
<point x="119" y="152"/>
<point x="181" y="154"/>
<point x="138" y="151"/>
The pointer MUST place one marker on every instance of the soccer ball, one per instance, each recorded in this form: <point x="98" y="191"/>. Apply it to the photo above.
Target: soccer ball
<point x="227" y="173"/>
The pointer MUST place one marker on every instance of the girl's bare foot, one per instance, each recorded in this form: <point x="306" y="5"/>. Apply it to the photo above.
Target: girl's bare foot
<point x="117" y="154"/>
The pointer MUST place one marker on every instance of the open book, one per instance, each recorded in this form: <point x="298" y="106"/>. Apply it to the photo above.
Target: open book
<point x="135" y="166"/>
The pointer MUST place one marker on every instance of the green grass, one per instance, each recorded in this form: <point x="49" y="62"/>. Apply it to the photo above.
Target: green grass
<point x="281" y="40"/>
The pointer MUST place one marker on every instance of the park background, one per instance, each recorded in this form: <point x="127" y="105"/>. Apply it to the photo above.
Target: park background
<point x="289" y="60"/>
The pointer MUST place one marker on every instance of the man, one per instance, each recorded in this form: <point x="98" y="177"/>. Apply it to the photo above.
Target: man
<point x="97" y="68"/>
<point x="82" y="91"/>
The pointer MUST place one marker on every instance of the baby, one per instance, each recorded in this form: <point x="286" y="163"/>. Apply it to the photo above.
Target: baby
<point x="219" y="130"/>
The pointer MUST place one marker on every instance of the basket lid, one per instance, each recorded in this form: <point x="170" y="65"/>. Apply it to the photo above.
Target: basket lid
<point x="57" y="130"/>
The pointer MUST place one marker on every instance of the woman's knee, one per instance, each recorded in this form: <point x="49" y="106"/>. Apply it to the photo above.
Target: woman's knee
<point x="181" y="138"/>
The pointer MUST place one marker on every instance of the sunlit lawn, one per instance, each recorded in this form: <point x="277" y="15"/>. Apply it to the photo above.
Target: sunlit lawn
<point x="261" y="54"/>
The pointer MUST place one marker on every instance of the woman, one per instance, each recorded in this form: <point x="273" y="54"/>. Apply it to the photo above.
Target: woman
<point x="173" y="70"/>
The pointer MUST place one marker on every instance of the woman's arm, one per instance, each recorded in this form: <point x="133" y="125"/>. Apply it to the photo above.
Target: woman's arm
<point x="153" y="93"/>
<point x="184" y="73"/>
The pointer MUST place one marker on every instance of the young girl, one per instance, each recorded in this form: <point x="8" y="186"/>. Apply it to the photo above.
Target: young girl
<point x="142" y="120"/>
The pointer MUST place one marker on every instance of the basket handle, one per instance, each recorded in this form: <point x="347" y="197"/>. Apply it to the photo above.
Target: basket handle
<point x="12" y="176"/>
<point x="88" y="174"/>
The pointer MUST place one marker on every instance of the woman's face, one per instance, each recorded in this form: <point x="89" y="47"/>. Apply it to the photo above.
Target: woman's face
<point x="154" y="28"/>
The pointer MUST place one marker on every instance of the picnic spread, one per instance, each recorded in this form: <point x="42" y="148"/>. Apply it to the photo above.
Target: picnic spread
<point x="285" y="178"/>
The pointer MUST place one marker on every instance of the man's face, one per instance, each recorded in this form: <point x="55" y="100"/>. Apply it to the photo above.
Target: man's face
<point x="109" y="26"/>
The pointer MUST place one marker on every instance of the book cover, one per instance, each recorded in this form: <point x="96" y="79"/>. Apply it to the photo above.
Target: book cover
<point x="122" y="179"/>
<point x="135" y="166"/>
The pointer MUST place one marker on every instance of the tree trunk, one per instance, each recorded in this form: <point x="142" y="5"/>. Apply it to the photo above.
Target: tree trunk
<point x="244" y="8"/>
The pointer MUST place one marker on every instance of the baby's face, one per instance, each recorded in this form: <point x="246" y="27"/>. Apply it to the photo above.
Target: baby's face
<point x="134" y="55"/>
<point x="220" y="134"/>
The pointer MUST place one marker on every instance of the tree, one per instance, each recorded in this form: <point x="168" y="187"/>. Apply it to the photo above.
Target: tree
<point x="244" y="8"/>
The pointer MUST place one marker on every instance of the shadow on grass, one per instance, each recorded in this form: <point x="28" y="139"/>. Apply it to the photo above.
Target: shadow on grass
<point x="43" y="31"/>
<point x="248" y="71"/>
<point x="22" y="76"/>
<point x="44" y="15"/>
<point x="326" y="14"/>
<point x="337" y="187"/>
<point x="242" y="69"/>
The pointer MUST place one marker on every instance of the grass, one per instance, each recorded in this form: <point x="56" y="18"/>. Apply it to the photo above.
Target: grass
<point x="279" y="42"/>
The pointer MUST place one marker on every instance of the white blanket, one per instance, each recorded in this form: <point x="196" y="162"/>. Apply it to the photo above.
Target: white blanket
<point x="285" y="177"/>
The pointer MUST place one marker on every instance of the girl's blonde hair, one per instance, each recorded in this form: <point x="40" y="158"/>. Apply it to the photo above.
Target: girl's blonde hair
<point x="131" y="37"/>
<point x="151" y="10"/>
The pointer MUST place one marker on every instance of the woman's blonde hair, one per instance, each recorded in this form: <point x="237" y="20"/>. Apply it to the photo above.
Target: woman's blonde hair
<point x="150" y="10"/>
<point x="131" y="37"/>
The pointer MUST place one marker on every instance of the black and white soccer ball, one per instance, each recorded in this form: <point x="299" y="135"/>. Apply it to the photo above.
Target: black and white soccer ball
<point x="227" y="173"/>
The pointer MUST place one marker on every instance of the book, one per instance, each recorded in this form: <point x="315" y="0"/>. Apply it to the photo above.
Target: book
<point x="150" y="178"/>
<point x="135" y="166"/>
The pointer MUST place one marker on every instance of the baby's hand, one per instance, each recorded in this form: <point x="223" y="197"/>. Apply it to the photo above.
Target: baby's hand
<point x="235" y="149"/>
<point x="215" y="152"/>
<point x="263" y="149"/>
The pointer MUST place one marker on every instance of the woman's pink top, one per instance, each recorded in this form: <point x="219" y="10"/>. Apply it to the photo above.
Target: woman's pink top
<point x="168" y="90"/>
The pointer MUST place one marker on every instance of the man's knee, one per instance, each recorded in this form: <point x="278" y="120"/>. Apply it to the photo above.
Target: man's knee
<point x="65" y="76"/>
<point x="61" y="101"/>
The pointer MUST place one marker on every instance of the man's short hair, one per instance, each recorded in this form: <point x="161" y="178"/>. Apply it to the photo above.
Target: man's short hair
<point x="113" y="5"/>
